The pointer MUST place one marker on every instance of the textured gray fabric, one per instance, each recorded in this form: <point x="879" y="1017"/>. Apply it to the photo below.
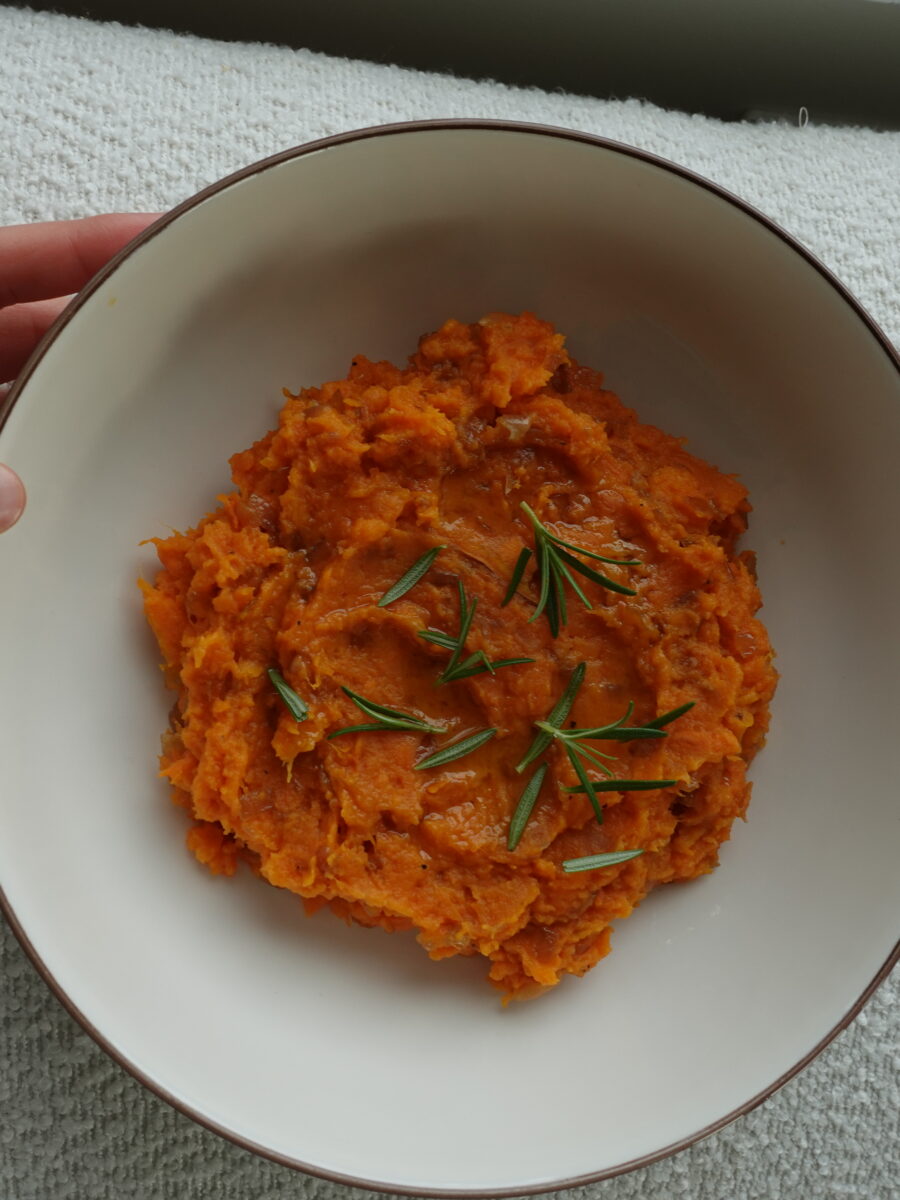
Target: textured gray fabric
<point x="76" y="1127"/>
<point x="98" y="117"/>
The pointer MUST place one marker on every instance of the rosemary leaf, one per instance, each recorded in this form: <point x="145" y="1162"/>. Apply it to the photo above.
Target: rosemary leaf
<point x="560" y="558"/>
<point x="544" y="573"/>
<point x="473" y="665"/>
<point x="669" y="717"/>
<point x="437" y="638"/>
<point x="618" y="733"/>
<point x="295" y="706"/>
<point x="596" y="576"/>
<point x="559" y="590"/>
<point x="466" y="613"/>
<point x="524" y="808"/>
<point x="594" y="757"/>
<point x="355" y="729"/>
<point x="456" y="750"/>
<point x="370" y="708"/>
<point x="389" y="718"/>
<point x="626" y="785"/>
<point x="593" y="861"/>
<point x="586" y="784"/>
<point x="509" y="662"/>
<point x="617" y="562"/>
<point x="553" y="614"/>
<point x="465" y="670"/>
<point x="411" y="577"/>
<point x="516" y="577"/>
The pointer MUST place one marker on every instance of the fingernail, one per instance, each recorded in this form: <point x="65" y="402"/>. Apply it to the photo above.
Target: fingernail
<point x="12" y="498"/>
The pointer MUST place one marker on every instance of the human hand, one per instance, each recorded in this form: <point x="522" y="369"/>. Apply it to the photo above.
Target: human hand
<point x="41" y="265"/>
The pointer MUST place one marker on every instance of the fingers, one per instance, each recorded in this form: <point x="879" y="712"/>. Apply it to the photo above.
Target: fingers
<point x="12" y="498"/>
<point x="21" y="328"/>
<point x="56" y="258"/>
<point x="41" y="265"/>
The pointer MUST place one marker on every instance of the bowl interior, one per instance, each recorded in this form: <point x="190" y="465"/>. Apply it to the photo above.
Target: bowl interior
<point x="344" y="1049"/>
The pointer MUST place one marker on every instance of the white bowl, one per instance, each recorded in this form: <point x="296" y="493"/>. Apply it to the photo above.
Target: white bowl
<point x="341" y="1050"/>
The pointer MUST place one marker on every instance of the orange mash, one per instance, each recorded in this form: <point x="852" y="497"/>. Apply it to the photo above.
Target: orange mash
<point x="360" y="479"/>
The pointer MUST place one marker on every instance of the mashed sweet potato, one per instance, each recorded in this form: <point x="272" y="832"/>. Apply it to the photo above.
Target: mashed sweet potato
<point x="362" y="477"/>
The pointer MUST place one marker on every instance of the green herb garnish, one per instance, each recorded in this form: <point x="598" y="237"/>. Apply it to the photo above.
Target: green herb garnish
<point x="584" y="757"/>
<point x="670" y="716"/>
<point x="555" y="718"/>
<point x="580" y="755"/>
<point x="438" y="639"/>
<point x="411" y="577"/>
<point x="295" y="706"/>
<point x="592" y="861"/>
<point x="457" y="750"/>
<point x="555" y="565"/>
<point x="616" y="731"/>
<point x="384" y="718"/>
<point x="625" y="785"/>
<point x="458" y="667"/>
<point x="516" y="577"/>
<point x="524" y="808"/>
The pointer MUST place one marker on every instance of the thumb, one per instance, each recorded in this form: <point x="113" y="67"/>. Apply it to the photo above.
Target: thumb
<point x="12" y="497"/>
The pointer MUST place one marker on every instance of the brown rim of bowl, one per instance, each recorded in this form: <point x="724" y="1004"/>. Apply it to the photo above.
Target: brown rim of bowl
<point x="6" y="406"/>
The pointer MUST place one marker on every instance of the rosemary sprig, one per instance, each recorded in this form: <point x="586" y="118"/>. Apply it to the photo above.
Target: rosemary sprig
<point x="524" y="808"/>
<point x="476" y="664"/>
<point x="555" y="565"/>
<point x="456" y="750"/>
<point x="555" y="718"/>
<point x="591" y="862"/>
<point x="411" y="577"/>
<point x="295" y="706"/>
<point x="583" y="757"/>
<point x="384" y="718"/>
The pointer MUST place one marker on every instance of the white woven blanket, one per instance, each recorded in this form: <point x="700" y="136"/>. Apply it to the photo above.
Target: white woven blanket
<point x="98" y="117"/>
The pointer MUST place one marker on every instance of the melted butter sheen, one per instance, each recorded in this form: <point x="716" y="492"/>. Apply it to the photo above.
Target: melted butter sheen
<point x="361" y="478"/>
